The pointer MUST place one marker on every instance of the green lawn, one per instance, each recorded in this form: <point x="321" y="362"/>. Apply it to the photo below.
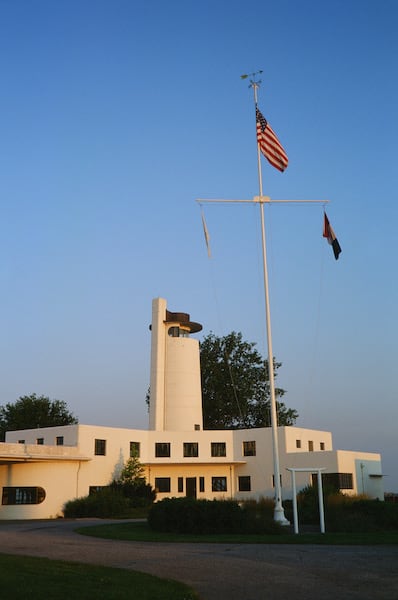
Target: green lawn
<point x="23" y="577"/>
<point x="141" y="532"/>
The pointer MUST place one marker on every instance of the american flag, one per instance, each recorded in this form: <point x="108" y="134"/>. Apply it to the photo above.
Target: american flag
<point x="269" y="144"/>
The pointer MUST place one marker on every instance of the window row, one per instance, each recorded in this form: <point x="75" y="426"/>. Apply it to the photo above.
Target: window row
<point x="59" y="441"/>
<point x="310" y="445"/>
<point x="190" y="449"/>
<point x="218" y="484"/>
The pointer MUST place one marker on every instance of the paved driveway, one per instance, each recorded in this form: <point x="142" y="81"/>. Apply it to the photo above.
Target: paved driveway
<point x="223" y="571"/>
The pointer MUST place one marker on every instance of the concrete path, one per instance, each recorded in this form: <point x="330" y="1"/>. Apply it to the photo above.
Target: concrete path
<point x="222" y="571"/>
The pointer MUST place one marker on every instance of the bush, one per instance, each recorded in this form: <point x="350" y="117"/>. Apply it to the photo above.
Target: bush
<point x="187" y="515"/>
<point x="139" y="493"/>
<point x="347" y="514"/>
<point x="356" y="514"/>
<point x="116" y="500"/>
<point x="104" y="503"/>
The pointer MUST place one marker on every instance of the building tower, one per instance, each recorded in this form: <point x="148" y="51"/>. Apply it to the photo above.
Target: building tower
<point x="175" y="392"/>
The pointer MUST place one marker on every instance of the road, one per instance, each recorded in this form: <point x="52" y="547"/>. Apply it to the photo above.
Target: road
<point x="222" y="571"/>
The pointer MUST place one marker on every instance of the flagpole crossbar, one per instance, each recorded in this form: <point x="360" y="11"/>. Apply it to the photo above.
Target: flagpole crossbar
<point x="260" y="200"/>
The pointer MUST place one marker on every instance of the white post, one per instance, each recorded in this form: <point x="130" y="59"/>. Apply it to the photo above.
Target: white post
<point x="320" y="499"/>
<point x="279" y="514"/>
<point x="294" y="491"/>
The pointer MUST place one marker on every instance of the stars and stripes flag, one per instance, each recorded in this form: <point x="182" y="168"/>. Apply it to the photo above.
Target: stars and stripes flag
<point x="269" y="144"/>
<point x="329" y="234"/>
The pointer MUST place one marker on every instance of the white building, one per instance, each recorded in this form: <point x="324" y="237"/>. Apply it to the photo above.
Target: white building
<point x="40" y="469"/>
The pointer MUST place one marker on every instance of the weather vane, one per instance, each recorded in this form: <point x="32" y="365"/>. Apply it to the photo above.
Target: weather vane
<point x="253" y="82"/>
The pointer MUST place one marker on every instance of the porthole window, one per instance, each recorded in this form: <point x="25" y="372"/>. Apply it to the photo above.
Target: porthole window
<point x="23" y="495"/>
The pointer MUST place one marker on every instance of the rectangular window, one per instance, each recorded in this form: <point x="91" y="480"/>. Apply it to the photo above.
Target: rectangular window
<point x="23" y="495"/>
<point x="162" y="484"/>
<point x="201" y="484"/>
<point x="180" y="484"/>
<point x="191" y="449"/>
<point x="59" y="440"/>
<point x="197" y="427"/>
<point x="40" y="441"/>
<point x="21" y="441"/>
<point x="135" y="449"/>
<point x="218" y="449"/>
<point x="338" y="481"/>
<point x="322" y="445"/>
<point x="298" y="443"/>
<point x="100" y="447"/>
<point x="244" y="483"/>
<point x="93" y="489"/>
<point x="218" y="484"/>
<point x="249" y="448"/>
<point x="310" y="446"/>
<point x="162" y="449"/>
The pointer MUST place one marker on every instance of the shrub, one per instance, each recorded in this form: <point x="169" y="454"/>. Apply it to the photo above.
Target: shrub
<point x="187" y="515"/>
<point x="102" y="504"/>
<point x="347" y="514"/>
<point x="116" y="500"/>
<point x="139" y="493"/>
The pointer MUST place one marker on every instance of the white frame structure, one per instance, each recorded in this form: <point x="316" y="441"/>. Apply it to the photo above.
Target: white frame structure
<point x="317" y="470"/>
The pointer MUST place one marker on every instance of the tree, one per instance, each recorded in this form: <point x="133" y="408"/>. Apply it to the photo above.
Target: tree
<point x="132" y="483"/>
<point x="235" y="385"/>
<point x="29" y="412"/>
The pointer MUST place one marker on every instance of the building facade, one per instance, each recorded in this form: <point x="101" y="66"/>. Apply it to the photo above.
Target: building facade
<point x="41" y="469"/>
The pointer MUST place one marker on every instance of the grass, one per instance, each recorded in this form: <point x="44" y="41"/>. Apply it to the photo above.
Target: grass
<point x="24" y="577"/>
<point x="142" y="533"/>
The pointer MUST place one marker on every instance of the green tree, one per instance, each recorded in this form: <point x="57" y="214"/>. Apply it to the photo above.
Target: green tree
<point x="132" y="472"/>
<point x="235" y="385"/>
<point x="29" y="412"/>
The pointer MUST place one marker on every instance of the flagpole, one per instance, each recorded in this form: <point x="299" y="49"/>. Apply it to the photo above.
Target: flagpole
<point x="279" y="513"/>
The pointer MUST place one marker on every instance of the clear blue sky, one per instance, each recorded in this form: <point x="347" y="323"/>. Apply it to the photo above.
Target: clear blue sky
<point x="116" y="115"/>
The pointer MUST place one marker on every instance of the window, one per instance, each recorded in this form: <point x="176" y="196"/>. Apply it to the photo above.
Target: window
<point x="93" y="489"/>
<point x="218" y="449"/>
<point x="59" y="440"/>
<point x="244" y="483"/>
<point x="180" y="484"/>
<point x="100" y="447"/>
<point x="322" y="445"/>
<point x="218" y="484"/>
<point x="21" y="441"/>
<point x="135" y="449"/>
<point x="310" y="446"/>
<point x="191" y="449"/>
<point x="338" y="481"/>
<point x="162" y="449"/>
<point x="23" y="495"/>
<point x="201" y="484"/>
<point x="298" y="443"/>
<point x="249" y="448"/>
<point x="40" y="441"/>
<point x="197" y="427"/>
<point x="162" y="484"/>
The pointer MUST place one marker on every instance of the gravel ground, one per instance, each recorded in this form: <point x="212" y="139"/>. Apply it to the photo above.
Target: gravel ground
<point x="222" y="571"/>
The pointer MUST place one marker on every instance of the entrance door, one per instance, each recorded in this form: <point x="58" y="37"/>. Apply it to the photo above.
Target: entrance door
<point x="190" y="487"/>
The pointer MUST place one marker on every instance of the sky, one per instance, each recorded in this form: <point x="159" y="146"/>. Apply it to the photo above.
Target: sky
<point x="116" y="116"/>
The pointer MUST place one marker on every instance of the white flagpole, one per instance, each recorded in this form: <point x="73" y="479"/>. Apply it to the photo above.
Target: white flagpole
<point x="279" y="513"/>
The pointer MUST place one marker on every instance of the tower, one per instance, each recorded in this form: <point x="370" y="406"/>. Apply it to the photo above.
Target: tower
<point x="175" y="392"/>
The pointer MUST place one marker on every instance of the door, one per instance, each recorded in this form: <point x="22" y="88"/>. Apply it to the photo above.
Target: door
<point x="190" y="487"/>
